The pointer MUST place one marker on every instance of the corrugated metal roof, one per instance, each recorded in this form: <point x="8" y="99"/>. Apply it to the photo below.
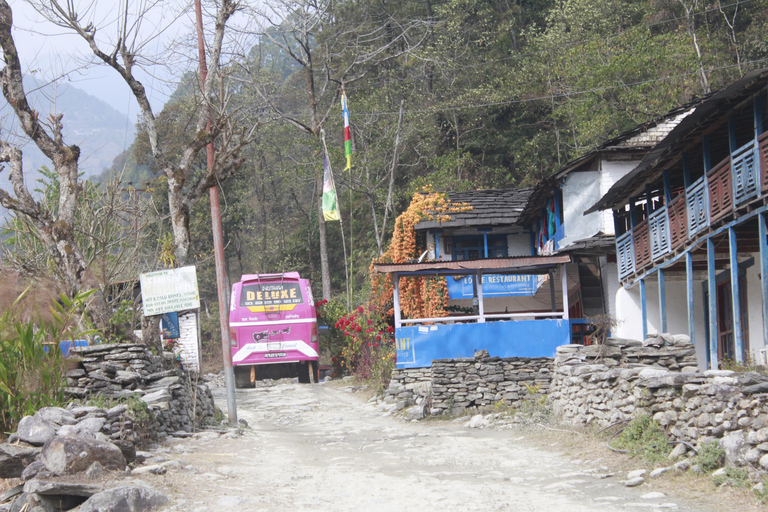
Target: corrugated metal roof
<point x="490" y="207"/>
<point x="499" y="265"/>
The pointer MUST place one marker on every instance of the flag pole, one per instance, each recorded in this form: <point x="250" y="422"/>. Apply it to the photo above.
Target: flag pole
<point x="341" y="222"/>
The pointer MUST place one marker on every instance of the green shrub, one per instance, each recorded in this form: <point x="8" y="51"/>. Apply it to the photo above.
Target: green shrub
<point x="137" y="409"/>
<point x="31" y="367"/>
<point x="643" y="438"/>
<point x="734" y="477"/>
<point x="711" y="456"/>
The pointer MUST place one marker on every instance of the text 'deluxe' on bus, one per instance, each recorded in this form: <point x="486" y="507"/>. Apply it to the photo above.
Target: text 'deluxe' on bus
<point x="273" y="329"/>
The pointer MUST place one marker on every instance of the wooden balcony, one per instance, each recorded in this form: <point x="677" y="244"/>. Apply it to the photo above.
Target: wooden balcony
<point x="678" y="225"/>
<point x="716" y="197"/>
<point x="642" y="245"/>
<point x="720" y="190"/>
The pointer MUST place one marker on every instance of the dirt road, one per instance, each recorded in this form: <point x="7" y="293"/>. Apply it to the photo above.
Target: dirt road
<point x="322" y="447"/>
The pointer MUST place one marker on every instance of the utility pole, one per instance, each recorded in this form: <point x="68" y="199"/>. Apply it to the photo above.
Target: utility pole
<point x="218" y="240"/>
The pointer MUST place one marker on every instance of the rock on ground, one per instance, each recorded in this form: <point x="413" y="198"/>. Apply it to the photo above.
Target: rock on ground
<point x="125" y="499"/>
<point x="68" y="455"/>
<point x="14" y="458"/>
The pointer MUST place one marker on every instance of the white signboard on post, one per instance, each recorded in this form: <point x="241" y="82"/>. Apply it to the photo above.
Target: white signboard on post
<point x="166" y="291"/>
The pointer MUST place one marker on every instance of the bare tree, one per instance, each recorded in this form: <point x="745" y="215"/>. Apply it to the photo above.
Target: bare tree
<point x="330" y="56"/>
<point x="55" y="226"/>
<point x="124" y="55"/>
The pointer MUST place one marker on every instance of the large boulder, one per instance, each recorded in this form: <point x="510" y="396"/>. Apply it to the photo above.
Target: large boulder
<point x="35" y="430"/>
<point x="67" y="455"/>
<point x="125" y="499"/>
<point x="14" y="458"/>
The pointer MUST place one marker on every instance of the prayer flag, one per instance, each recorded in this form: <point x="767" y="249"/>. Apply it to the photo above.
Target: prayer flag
<point x="330" y="207"/>
<point x="347" y="133"/>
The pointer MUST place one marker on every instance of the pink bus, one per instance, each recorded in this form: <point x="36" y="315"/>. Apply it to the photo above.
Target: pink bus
<point x="273" y="329"/>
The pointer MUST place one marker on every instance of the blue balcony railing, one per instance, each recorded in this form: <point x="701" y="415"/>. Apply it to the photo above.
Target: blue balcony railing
<point x="738" y="179"/>
<point x="658" y="227"/>
<point x="745" y="175"/>
<point x="625" y="254"/>
<point x="697" y="202"/>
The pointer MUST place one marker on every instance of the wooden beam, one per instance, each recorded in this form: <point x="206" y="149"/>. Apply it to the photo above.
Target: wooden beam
<point x="763" y="228"/>
<point x="480" y="301"/>
<point x="735" y="297"/>
<point x="706" y="153"/>
<point x="564" y="279"/>
<point x="732" y="134"/>
<point x="552" y="301"/>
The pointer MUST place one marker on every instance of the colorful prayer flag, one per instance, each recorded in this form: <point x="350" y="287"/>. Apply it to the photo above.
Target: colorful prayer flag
<point x="347" y="133"/>
<point x="330" y="207"/>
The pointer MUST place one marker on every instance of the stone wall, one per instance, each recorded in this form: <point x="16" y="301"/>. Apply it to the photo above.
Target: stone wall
<point x="177" y="401"/>
<point x="602" y="385"/>
<point x="457" y="385"/>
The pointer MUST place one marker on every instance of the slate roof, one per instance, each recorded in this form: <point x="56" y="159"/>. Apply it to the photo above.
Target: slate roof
<point x="689" y="129"/>
<point x="638" y="141"/>
<point x="490" y="207"/>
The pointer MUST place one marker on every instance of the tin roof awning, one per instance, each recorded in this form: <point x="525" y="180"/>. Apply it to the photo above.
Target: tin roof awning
<point x="518" y="265"/>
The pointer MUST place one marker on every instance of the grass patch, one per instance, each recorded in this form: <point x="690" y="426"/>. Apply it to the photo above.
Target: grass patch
<point x="711" y="456"/>
<point x="735" y="477"/>
<point x="643" y="438"/>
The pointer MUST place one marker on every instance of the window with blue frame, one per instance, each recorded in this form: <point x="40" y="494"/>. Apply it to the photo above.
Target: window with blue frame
<point x="472" y="247"/>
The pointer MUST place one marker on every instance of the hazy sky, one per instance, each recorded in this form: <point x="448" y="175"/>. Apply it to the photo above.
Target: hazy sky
<point x="48" y="51"/>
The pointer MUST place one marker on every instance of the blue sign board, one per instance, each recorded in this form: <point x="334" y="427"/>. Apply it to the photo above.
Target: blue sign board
<point x="494" y="285"/>
<point x="171" y="325"/>
<point x="418" y="346"/>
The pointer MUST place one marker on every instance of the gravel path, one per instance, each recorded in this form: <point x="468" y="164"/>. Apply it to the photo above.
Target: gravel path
<point x="322" y="447"/>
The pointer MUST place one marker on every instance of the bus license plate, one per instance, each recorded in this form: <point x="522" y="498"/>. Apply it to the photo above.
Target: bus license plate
<point x="275" y="354"/>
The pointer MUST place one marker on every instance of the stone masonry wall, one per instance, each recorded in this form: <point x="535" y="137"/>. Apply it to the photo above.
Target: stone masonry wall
<point x="177" y="401"/>
<point x="456" y="385"/>
<point x="601" y="385"/>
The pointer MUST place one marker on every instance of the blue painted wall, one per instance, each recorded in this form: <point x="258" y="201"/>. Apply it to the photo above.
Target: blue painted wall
<point x="417" y="346"/>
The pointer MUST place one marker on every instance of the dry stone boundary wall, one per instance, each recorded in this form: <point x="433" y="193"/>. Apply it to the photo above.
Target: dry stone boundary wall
<point x="602" y="385"/>
<point x="177" y="401"/>
<point x="458" y="385"/>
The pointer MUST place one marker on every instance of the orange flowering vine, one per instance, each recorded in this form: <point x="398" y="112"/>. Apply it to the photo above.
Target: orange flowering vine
<point x="420" y="297"/>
